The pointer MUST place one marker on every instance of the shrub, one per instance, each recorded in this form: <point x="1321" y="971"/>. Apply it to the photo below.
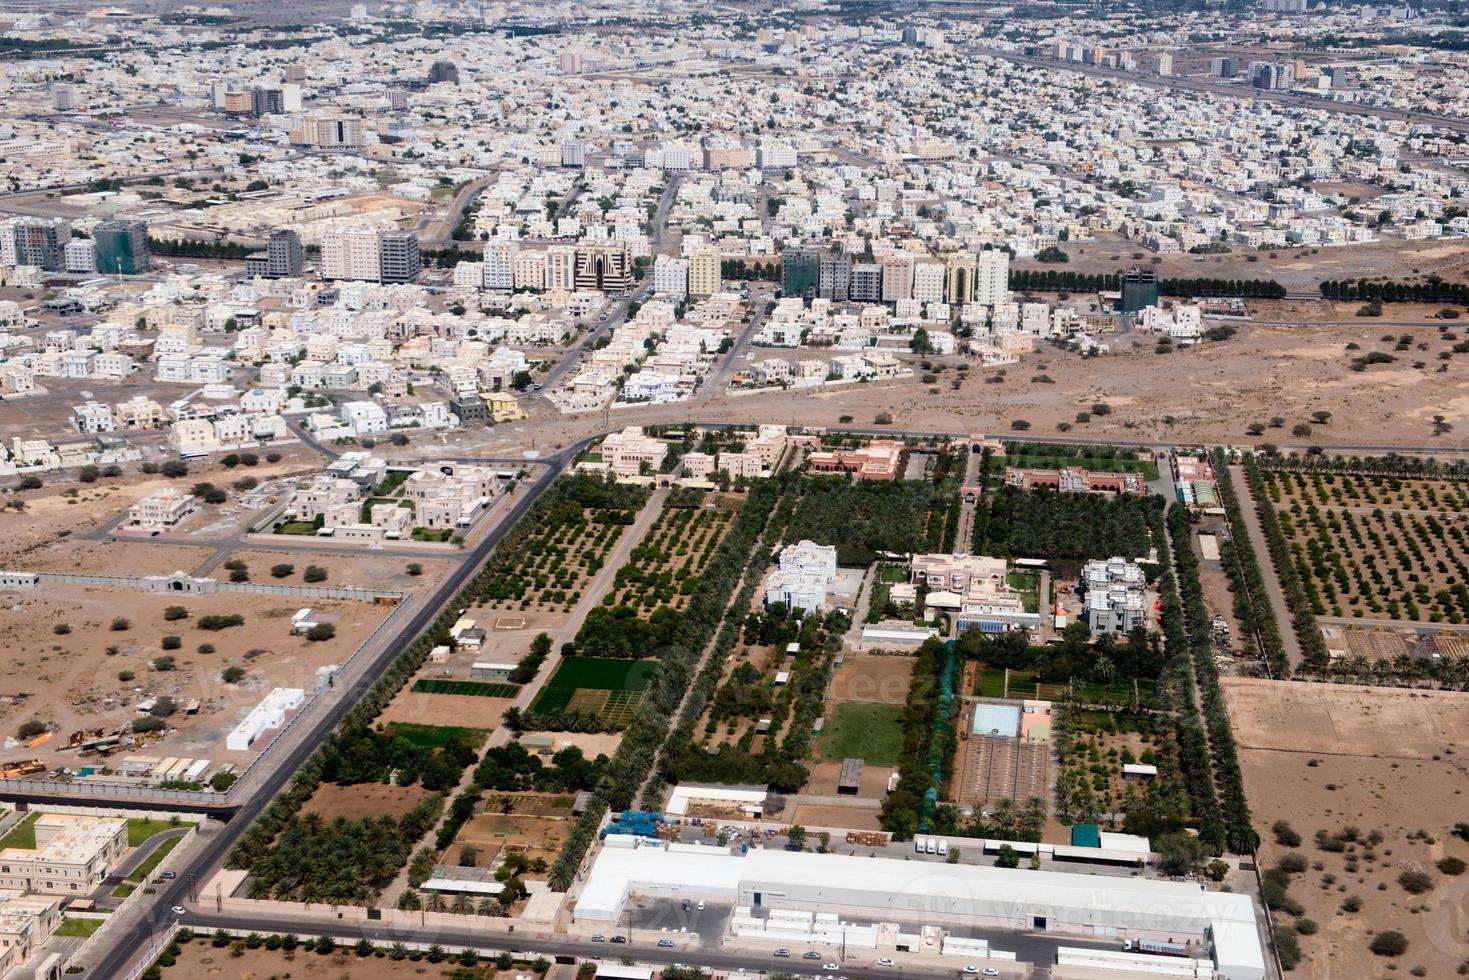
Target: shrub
<point x="414" y="569"/>
<point x="171" y="642"/>
<point x="61" y="629"/>
<point x="1415" y="882"/>
<point x="282" y="570"/>
<point x="125" y="675"/>
<point x="1307" y="927"/>
<point x="321" y="631"/>
<point x="232" y="674"/>
<point x="149" y="723"/>
<point x="163" y="663"/>
<point x="220" y="622"/>
<point x="1287" y="947"/>
<point x="1285" y="834"/>
<point x="119" y="624"/>
<point x="1351" y="903"/>
<point x="30" y="729"/>
<point x="175" y="613"/>
<point x="314" y="573"/>
<point x="1294" y="863"/>
<point x="1451" y="866"/>
<point x="1389" y="943"/>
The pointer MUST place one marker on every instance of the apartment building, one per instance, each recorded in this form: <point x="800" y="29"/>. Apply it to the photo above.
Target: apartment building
<point x="671" y="276"/>
<point x="704" y="270"/>
<point x="73" y="854"/>
<point x="351" y="253"/>
<point x="1116" y="595"/>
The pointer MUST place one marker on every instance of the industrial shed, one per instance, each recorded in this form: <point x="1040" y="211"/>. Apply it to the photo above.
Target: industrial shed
<point x="885" y="889"/>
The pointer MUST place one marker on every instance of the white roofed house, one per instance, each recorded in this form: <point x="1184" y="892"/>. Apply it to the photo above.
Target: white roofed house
<point x="805" y="573"/>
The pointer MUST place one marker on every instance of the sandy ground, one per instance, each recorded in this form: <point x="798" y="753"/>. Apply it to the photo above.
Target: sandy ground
<point x="1323" y="757"/>
<point x="847" y="818"/>
<point x="1295" y="268"/>
<point x="74" y="681"/>
<point x="875" y="680"/>
<point x="201" y="960"/>
<point x="1209" y="392"/>
<point x="363" y="800"/>
<point x="418" y="708"/>
<point x="371" y="570"/>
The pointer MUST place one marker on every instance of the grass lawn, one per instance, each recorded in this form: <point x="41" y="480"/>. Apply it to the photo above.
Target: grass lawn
<point x="23" y="834"/>
<point x="433" y="534"/>
<point x="436" y="736"/>
<point x="481" y="689"/>
<point x="81" y="928"/>
<point x="1027" y="584"/>
<point x="593" y="674"/>
<point x="892" y="574"/>
<point x="140" y="829"/>
<point x="141" y="872"/>
<point x="123" y="890"/>
<point x="297" y="527"/>
<point x="869" y="732"/>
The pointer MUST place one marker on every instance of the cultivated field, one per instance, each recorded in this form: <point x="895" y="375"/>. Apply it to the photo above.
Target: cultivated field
<point x="1376" y="547"/>
<point x="1378" y="774"/>
<point x="363" y="800"/>
<point x="664" y="568"/>
<point x="610" y="689"/>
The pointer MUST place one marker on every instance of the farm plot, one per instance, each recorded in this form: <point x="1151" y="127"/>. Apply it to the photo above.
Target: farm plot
<point x="609" y="689"/>
<point x="869" y="732"/>
<point x="565" y="553"/>
<point x="478" y="689"/>
<point x="664" y="569"/>
<point x="1376" y="546"/>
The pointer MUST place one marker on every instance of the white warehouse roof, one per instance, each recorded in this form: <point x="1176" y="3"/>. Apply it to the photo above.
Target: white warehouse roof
<point x="885" y="886"/>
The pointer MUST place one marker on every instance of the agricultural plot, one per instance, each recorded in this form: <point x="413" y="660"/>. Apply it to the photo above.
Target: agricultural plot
<point x="1091" y="747"/>
<point x="479" y="689"/>
<point x="1375" y="546"/>
<point x="609" y="689"/>
<point x="562" y="557"/>
<point x="870" y="732"/>
<point x="664" y="569"/>
<point x="996" y="682"/>
<point x="1099" y="459"/>
<point x="862" y="519"/>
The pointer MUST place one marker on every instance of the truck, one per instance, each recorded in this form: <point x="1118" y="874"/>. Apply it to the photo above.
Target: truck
<point x="930" y="847"/>
<point x="918" y="844"/>
<point x="943" y="846"/>
<point x="1156" y="947"/>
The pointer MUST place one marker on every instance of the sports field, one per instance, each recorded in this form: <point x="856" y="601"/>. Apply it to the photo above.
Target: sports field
<point x="481" y="689"/>
<point x="869" y="732"/>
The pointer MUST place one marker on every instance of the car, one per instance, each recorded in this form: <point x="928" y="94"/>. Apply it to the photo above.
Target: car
<point x="685" y="905"/>
<point x="599" y="938"/>
<point x="812" y="955"/>
<point x="781" y="953"/>
<point x="619" y="939"/>
<point x="665" y="943"/>
<point x="178" y="910"/>
<point x="885" y="961"/>
<point x="971" y="968"/>
<point x="990" y="971"/>
<point x="169" y="875"/>
<point x="701" y="905"/>
<point x="830" y="967"/>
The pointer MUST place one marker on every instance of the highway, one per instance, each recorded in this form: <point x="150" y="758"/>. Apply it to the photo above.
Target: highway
<point x="215" y="846"/>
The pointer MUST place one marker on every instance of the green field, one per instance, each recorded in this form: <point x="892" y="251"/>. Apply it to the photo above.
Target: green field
<point x="1027" y="584"/>
<point x="297" y="527"/>
<point x="478" y="689"/>
<point x="22" y="835"/>
<point x="869" y="732"/>
<point x="435" y="736"/>
<point x="140" y="829"/>
<point x="79" y="928"/>
<point x="622" y="677"/>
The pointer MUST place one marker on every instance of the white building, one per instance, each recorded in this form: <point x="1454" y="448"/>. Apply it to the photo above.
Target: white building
<point x="805" y="573"/>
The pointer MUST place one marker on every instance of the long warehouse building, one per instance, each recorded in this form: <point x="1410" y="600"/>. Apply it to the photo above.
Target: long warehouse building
<point x="930" y="893"/>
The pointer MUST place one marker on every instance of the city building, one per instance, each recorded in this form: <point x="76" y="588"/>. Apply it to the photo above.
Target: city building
<point x="704" y="272"/>
<point x="607" y="268"/>
<point x="1139" y="290"/>
<point x="443" y="71"/>
<point x="122" y="247"/>
<point x="399" y="256"/>
<point x="800" y="271"/>
<point x="352" y="253"/>
<point x="974" y="589"/>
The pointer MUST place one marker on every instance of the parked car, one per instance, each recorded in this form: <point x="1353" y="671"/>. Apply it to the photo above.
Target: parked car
<point x="811" y="955"/>
<point x="885" y="961"/>
<point x="665" y="943"/>
<point x="599" y="938"/>
<point x="619" y="939"/>
<point x="782" y="953"/>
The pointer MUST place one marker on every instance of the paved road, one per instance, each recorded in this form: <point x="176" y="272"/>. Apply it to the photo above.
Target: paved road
<point x="1288" y="639"/>
<point x="440" y="231"/>
<point x="713" y="384"/>
<point x="132" y="940"/>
